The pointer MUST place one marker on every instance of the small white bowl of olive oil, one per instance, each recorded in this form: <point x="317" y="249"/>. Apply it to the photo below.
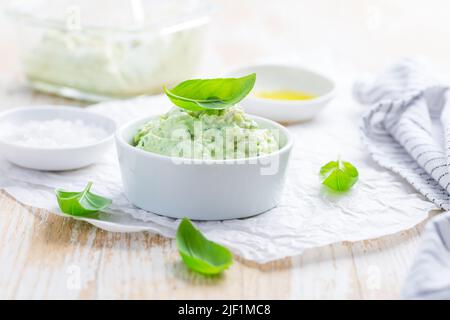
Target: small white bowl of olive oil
<point x="286" y="94"/>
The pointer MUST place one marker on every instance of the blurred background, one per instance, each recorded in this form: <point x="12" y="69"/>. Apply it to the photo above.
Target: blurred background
<point x="342" y="37"/>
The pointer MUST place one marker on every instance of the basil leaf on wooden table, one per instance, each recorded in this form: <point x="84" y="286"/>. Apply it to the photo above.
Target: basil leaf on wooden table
<point x="199" y="253"/>
<point x="339" y="175"/>
<point x="201" y="94"/>
<point x="81" y="203"/>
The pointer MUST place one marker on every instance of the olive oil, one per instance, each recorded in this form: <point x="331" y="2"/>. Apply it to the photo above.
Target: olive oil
<point x="284" y="95"/>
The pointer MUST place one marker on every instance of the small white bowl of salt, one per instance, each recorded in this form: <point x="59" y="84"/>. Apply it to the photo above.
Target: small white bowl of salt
<point x="54" y="138"/>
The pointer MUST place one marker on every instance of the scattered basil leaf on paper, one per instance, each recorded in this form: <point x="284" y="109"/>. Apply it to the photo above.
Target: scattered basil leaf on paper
<point x="201" y="94"/>
<point x="200" y="254"/>
<point x="81" y="203"/>
<point x="339" y="175"/>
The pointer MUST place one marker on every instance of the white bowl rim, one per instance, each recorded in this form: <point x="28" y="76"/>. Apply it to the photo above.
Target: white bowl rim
<point x="284" y="149"/>
<point x="108" y="138"/>
<point x="299" y="68"/>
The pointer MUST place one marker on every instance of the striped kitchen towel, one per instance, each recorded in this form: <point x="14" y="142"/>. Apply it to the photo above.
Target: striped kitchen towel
<point x="429" y="277"/>
<point x="407" y="130"/>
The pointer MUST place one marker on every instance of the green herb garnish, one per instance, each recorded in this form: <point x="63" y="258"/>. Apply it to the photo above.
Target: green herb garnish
<point x="81" y="203"/>
<point x="339" y="175"/>
<point x="199" y="253"/>
<point x="201" y="94"/>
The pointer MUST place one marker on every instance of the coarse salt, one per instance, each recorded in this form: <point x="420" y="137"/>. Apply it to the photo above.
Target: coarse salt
<point x="56" y="133"/>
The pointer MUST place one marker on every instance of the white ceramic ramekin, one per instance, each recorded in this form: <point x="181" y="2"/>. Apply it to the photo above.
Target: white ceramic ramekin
<point x="202" y="189"/>
<point x="271" y="76"/>
<point x="55" y="159"/>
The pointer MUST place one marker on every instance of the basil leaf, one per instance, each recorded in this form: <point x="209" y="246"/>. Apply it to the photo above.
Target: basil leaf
<point x="339" y="175"/>
<point x="198" y="253"/>
<point x="81" y="203"/>
<point x="201" y="94"/>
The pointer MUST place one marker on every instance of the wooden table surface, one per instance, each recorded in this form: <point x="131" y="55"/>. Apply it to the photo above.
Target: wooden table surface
<point x="46" y="256"/>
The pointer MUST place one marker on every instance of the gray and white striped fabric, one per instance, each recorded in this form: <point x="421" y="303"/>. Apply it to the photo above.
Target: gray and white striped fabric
<point x="429" y="277"/>
<point x="407" y="130"/>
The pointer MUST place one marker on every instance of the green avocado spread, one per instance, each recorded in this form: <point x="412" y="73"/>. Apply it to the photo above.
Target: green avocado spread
<point x="209" y="134"/>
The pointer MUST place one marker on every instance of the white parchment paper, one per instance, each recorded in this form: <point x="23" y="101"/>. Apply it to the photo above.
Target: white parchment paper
<point x="380" y="203"/>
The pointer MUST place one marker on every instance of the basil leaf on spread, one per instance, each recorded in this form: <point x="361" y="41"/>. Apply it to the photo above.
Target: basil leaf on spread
<point x="201" y="94"/>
